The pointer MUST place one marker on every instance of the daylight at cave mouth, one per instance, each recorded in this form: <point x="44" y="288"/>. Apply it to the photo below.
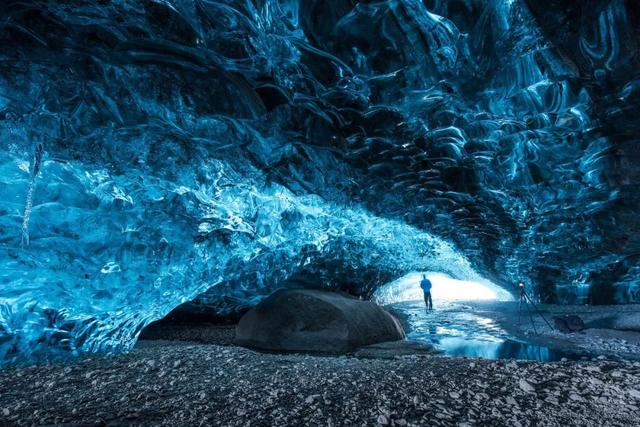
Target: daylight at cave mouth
<point x="319" y="212"/>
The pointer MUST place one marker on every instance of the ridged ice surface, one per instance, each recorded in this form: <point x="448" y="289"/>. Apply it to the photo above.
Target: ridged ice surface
<point x="154" y="152"/>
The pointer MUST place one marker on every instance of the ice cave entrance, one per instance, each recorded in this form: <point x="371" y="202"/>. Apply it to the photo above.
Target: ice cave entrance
<point x="445" y="290"/>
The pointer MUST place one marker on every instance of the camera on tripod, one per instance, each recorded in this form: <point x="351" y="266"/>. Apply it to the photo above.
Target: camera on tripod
<point x="526" y="300"/>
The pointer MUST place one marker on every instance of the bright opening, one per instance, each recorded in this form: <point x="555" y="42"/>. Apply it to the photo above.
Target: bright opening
<point x="444" y="289"/>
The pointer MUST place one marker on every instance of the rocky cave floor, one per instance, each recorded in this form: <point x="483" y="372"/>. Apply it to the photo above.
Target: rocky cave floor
<point x="212" y="382"/>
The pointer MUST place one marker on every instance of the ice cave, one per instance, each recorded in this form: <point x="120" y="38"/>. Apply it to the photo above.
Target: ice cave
<point x="235" y="186"/>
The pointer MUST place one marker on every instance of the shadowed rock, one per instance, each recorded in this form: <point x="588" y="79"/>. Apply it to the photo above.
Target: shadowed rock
<point x="317" y="321"/>
<point x="568" y="323"/>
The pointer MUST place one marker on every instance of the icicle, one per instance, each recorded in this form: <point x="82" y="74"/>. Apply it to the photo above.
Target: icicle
<point x="37" y="158"/>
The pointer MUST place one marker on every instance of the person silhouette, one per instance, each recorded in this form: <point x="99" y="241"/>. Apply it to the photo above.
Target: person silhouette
<point x="425" y="284"/>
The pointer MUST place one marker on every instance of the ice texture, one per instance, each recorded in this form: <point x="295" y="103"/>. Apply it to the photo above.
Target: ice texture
<point x="155" y="152"/>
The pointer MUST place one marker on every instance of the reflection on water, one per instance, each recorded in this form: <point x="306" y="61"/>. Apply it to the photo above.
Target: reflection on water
<point x="501" y="349"/>
<point x="458" y="331"/>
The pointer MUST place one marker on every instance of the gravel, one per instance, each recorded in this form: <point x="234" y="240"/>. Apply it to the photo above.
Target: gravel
<point x="184" y="383"/>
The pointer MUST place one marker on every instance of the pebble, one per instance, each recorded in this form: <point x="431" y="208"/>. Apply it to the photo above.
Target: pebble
<point x="382" y="420"/>
<point x="311" y="398"/>
<point x="526" y="386"/>
<point x="272" y="389"/>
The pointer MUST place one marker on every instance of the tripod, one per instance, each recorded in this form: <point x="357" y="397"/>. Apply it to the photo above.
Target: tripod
<point x="527" y="301"/>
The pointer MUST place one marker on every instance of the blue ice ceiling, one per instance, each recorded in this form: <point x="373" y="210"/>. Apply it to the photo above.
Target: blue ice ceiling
<point x="153" y="152"/>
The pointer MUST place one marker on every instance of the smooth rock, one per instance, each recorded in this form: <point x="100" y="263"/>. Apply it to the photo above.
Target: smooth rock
<point x="315" y="321"/>
<point x="568" y="323"/>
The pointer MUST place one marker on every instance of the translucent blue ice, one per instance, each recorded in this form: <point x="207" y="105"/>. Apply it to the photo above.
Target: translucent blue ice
<point x="156" y="152"/>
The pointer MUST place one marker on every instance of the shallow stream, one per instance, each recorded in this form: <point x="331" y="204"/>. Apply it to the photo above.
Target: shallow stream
<point x="458" y="330"/>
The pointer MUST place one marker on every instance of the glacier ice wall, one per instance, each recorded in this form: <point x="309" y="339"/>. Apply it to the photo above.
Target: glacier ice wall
<point x="154" y="152"/>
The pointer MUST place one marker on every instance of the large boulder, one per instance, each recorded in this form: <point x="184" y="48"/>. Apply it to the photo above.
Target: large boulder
<point x="315" y="321"/>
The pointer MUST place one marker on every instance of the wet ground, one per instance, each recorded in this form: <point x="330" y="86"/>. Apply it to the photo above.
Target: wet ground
<point x="460" y="330"/>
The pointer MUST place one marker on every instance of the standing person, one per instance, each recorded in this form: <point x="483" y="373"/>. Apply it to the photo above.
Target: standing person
<point x="425" y="284"/>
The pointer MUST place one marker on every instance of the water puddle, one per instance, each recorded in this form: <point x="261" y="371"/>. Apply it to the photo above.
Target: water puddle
<point x="458" y="331"/>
